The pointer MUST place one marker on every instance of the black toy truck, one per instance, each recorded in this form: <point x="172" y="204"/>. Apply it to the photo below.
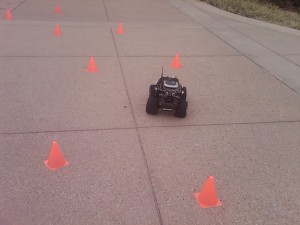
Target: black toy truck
<point x="167" y="94"/>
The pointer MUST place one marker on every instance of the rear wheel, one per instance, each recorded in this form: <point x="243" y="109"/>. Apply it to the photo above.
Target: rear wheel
<point x="181" y="108"/>
<point x="152" y="105"/>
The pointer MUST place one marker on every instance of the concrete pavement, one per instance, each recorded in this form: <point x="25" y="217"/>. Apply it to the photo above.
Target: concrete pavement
<point x="270" y="46"/>
<point x="127" y="167"/>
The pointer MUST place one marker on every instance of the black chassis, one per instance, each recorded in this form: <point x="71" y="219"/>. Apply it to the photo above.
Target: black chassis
<point x="167" y="94"/>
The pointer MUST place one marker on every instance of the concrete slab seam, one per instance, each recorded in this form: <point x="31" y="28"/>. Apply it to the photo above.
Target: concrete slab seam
<point x="139" y="137"/>
<point x="248" y="23"/>
<point x="58" y="56"/>
<point x="284" y="56"/>
<point x="220" y="124"/>
<point x="136" y="128"/>
<point x="109" y="56"/>
<point x="65" y="131"/>
<point x="263" y="68"/>
<point x="147" y="127"/>
<point x="15" y="8"/>
<point x="211" y="31"/>
<point x="252" y="39"/>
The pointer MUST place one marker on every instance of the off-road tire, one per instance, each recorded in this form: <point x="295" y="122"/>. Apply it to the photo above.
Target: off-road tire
<point x="181" y="108"/>
<point x="152" y="91"/>
<point x="152" y="105"/>
<point x="184" y="93"/>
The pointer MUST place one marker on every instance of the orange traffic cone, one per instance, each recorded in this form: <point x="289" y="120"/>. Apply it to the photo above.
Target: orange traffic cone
<point x="57" y="9"/>
<point x="176" y="63"/>
<point x="120" y="29"/>
<point x="57" y="30"/>
<point x="8" y="15"/>
<point x="55" y="159"/>
<point x="92" y="67"/>
<point x="208" y="197"/>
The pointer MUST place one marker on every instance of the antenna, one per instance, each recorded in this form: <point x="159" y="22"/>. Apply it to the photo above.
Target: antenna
<point x="162" y="71"/>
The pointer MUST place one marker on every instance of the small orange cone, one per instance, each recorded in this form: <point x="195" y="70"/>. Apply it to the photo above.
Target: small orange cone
<point x="57" y="9"/>
<point x="120" y="29"/>
<point x="176" y="63"/>
<point x="92" y="67"/>
<point x="55" y="159"/>
<point x="208" y="197"/>
<point x="57" y="31"/>
<point x="8" y="15"/>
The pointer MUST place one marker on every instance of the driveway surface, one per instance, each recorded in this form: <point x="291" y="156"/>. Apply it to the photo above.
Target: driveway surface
<point x="127" y="167"/>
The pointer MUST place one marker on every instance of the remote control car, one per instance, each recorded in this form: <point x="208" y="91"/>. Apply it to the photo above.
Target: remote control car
<point x="169" y="95"/>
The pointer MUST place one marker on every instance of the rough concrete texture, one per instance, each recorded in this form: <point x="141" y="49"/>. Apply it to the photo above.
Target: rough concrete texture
<point x="252" y="178"/>
<point x="58" y="93"/>
<point x="40" y="41"/>
<point x="294" y="58"/>
<point x="219" y="92"/>
<point x="105" y="183"/>
<point x="127" y="167"/>
<point x="170" y="41"/>
<point x="258" y="42"/>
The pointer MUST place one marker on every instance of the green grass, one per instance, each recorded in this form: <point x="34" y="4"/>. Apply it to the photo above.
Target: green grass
<point x="253" y="9"/>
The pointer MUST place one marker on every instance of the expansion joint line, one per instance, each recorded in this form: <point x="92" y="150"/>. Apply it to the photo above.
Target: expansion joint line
<point x="240" y="52"/>
<point x="136" y="126"/>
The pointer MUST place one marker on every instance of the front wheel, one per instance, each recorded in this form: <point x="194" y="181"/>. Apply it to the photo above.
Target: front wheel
<point x="181" y="108"/>
<point x="184" y="93"/>
<point x="153" y="91"/>
<point x="152" y="105"/>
